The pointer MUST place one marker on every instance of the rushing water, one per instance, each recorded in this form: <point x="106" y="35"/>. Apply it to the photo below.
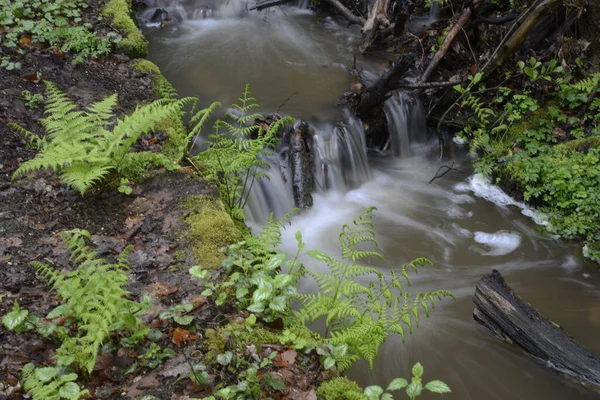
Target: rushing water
<point x="462" y="223"/>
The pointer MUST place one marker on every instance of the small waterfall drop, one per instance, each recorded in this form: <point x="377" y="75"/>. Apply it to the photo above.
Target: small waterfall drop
<point x="406" y="122"/>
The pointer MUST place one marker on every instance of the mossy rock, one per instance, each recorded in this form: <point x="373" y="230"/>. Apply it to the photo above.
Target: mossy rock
<point x="210" y="229"/>
<point x="133" y="44"/>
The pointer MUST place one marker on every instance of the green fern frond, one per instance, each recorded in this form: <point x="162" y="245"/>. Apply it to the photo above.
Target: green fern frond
<point x="95" y="296"/>
<point x="84" y="146"/>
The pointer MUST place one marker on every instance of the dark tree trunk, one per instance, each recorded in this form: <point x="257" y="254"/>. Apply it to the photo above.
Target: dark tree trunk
<point x="499" y="308"/>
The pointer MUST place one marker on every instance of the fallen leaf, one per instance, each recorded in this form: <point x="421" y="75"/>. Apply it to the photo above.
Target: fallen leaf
<point x="24" y="41"/>
<point x="285" y="359"/>
<point x="11" y="241"/>
<point x="152" y="141"/>
<point x="35" y="78"/>
<point x="180" y="336"/>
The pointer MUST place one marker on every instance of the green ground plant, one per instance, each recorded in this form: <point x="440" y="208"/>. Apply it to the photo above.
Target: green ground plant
<point x="358" y="318"/>
<point x="545" y="147"/>
<point x="58" y="24"/>
<point x="86" y="147"/>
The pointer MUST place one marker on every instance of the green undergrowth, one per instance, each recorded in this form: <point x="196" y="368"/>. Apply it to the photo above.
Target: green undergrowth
<point x="58" y="25"/>
<point x="133" y="44"/>
<point x="542" y="144"/>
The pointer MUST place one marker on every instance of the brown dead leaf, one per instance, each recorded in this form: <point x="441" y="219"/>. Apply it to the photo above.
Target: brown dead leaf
<point x="285" y="359"/>
<point x="131" y="222"/>
<point x="24" y="41"/>
<point x="35" y="78"/>
<point x="559" y="132"/>
<point x="295" y="394"/>
<point x="163" y="289"/>
<point x="180" y="336"/>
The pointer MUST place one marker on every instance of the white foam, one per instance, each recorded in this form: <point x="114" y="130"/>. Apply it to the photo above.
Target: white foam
<point x="499" y="243"/>
<point x="481" y="187"/>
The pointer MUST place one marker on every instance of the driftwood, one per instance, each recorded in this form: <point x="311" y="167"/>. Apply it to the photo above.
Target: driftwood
<point x="499" y="308"/>
<point x="346" y="13"/>
<point x="378" y="91"/>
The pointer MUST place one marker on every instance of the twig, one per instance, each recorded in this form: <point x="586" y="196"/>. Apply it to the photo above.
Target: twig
<point x="439" y="55"/>
<point x="448" y="169"/>
<point x="286" y="100"/>
<point x="431" y="85"/>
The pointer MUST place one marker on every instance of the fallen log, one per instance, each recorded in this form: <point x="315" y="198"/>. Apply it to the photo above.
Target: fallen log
<point x="499" y="308"/>
<point x="345" y="12"/>
<point x="378" y="91"/>
<point x="260" y="5"/>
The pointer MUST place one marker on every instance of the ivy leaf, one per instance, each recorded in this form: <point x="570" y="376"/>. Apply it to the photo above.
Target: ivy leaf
<point x="183" y="320"/>
<point x="397" y="384"/>
<point x="197" y="272"/>
<point x="225" y="358"/>
<point x="59" y="311"/>
<point x="387" y="396"/>
<point x="282" y="280"/>
<point x="437" y="387"/>
<point x="278" y="304"/>
<point x="275" y="381"/>
<point x="45" y="374"/>
<point x="319" y="255"/>
<point x="414" y="389"/>
<point x="256" y="308"/>
<point x="373" y="392"/>
<point x="417" y="370"/>
<point x="263" y="292"/>
<point x="69" y="390"/>
<point x="275" y="261"/>
<point x="14" y="318"/>
<point x="329" y="362"/>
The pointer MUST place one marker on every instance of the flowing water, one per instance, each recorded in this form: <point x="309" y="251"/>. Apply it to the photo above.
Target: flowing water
<point x="462" y="223"/>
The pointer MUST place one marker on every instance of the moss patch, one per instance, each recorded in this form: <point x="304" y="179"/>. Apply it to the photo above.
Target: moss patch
<point x="338" y="388"/>
<point x="134" y="44"/>
<point x="146" y="67"/>
<point x="210" y="229"/>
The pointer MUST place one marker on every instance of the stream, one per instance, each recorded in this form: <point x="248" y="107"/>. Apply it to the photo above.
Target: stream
<point x="296" y="63"/>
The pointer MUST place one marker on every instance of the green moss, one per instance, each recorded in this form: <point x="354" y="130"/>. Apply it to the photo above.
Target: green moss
<point x="146" y="67"/>
<point x="210" y="229"/>
<point x="236" y="337"/>
<point x="133" y="44"/>
<point x="338" y="388"/>
<point x="581" y="145"/>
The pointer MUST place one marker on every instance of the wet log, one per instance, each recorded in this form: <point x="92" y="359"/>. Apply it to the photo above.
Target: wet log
<point x="302" y="178"/>
<point x="499" y="308"/>
<point x="260" y="5"/>
<point x="378" y="91"/>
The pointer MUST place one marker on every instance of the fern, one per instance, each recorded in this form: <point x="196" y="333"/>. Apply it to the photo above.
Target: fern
<point x="235" y="159"/>
<point x="49" y="383"/>
<point x="362" y="316"/>
<point x="81" y="146"/>
<point x="586" y="85"/>
<point x="93" y="295"/>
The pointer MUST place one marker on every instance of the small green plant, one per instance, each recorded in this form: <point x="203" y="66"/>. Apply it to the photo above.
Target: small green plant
<point x="155" y="356"/>
<point x="358" y="316"/>
<point x="235" y="158"/>
<point x="85" y="147"/>
<point x="177" y="314"/>
<point x="49" y="383"/>
<point x="32" y="101"/>
<point x="15" y="318"/>
<point x="252" y="277"/>
<point x="535" y="70"/>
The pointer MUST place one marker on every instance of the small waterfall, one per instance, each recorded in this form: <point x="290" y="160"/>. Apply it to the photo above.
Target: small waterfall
<point x="341" y="156"/>
<point x="340" y="163"/>
<point x="272" y="195"/>
<point x="406" y="122"/>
